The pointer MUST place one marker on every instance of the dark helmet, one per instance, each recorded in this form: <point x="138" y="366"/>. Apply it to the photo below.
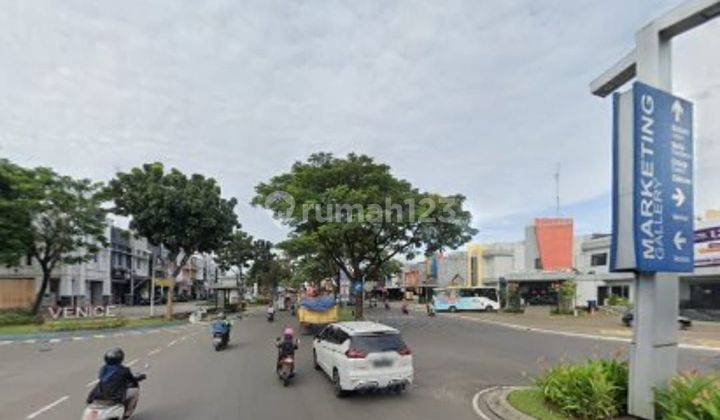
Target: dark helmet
<point x="114" y="356"/>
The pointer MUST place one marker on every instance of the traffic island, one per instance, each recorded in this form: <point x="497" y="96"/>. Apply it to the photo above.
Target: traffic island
<point x="528" y="403"/>
<point x="66" y="327"/>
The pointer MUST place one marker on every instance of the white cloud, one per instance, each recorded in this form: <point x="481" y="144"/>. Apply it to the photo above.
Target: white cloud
<point x="477" y="97"/>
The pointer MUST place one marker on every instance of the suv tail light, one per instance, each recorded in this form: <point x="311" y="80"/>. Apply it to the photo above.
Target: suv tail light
<point x="354" y="354"/>
<point x="405" y="351"/>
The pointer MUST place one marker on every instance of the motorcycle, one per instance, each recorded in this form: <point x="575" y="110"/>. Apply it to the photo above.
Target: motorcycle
<point x="271" y="316"/>
<point x="286" y="369"/>
<point x="219" y="341"/>
<point x="404" y="309"/>
<point x="110" y="410"/>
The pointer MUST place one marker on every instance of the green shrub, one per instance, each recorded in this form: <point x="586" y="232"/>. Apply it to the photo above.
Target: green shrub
<point x="511" y="310"/>
<point x="18" y="318"/>
<point x="689" y="397"/>
<point x="558" y="311"/>
<point x="83" y="324"/>
<point x="615" y="300"/>
<point x="262" y="300"/>
<point x="596" y="389"/>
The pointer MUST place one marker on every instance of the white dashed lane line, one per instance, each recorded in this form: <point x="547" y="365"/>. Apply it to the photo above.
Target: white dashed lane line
<point x="172" y="343"/>
<point x="48" y="407"/>
<point x="154" y="351"/>
<point x="92" y="383"/>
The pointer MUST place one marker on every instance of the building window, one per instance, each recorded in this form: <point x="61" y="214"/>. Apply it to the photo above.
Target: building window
<point x="597" y="260"/>
<point x="620" y="291"/>
<point x="28" y="259"/>
<point x="538" y="264"/>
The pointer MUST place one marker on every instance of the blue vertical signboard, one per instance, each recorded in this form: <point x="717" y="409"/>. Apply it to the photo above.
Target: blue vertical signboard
<point x="652" y="182"/>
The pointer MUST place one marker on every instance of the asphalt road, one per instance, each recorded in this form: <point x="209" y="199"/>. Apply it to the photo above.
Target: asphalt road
<point x="454" y="359"/>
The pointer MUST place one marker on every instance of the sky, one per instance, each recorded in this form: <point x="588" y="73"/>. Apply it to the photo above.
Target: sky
<point x="482" y="98"/>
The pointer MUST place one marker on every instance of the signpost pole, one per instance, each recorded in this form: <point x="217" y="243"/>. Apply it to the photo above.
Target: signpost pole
<point x="152" y="295"/>
<point x="653" y="351"/>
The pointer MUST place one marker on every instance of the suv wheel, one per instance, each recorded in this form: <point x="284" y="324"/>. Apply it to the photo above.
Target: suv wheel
<point x="452" y="309"/>
<point x="489" y="308"/>
<point x="316" y="365"/>
<point x="339" y="392"/>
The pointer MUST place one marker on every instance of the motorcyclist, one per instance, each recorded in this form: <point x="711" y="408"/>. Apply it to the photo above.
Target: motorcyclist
<point x="222" y="325"/>
<point x="286" y="345"/>
<point x="116" y="382"/>
<point x="270" y="311"/>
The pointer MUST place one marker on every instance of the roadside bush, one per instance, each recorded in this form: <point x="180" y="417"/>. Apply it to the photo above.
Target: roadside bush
<point x="511" y="310"/>
<point x="262" y="300"/>
<point x="596" y="389"/>
<point x="18" y="318"/>
<point x="690" y="396"/>
<point x="558" y="311"/>
<point x="83" y="324"/>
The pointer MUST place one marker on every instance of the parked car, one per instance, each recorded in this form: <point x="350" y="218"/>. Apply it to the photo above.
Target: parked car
<point x="362" y="356"/>
<point x="628" y="316"/>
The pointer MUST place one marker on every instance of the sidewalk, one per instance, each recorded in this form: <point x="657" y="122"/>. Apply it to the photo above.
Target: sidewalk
<point x="144" y="310"/>
<point x="600" y="324"/>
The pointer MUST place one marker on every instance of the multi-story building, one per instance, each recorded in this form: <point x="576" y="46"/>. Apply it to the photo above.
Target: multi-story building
<point x="120" y="264"/>
<point x="140" y="273"/>
<point x="77" y="284"/>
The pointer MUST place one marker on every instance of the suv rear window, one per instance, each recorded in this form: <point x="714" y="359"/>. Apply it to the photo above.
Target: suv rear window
<point x="377" y="343"/>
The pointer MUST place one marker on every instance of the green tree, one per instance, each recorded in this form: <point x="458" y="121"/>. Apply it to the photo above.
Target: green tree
<point x="236" y="254"/>
<point x="52" y="218"/>
<point x="184" y="214"/>
<point x="360" y="215"/>
<point x="308" y="261"/>
<point x="267" y="269"/>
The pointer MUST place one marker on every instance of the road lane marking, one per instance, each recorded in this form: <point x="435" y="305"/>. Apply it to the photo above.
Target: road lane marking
<point x="79" y="338"/>
<point x="32" y="341"/>
<point x="92" y="383"/>
<point x="4" y="342"/>
<point x="476" y="403"/>
<point x="155" y="351"/>
<point x="573" y="334"/>
<point x="54" y="340"/>
<point x="99" y="336"/>
<point x="172" y="343"/>
<point x="47" y="407"/>
<point x="132" y="362"/>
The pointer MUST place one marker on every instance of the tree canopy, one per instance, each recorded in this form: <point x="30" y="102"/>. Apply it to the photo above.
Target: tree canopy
<point x="52" y="218"/>
<point x="184" y="214"/>
<point x="357" y="214"/>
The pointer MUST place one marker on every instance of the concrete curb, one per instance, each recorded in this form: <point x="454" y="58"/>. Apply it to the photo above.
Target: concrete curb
<point x="573" y="334"/>
<point x="495" y="399"/>
<point x="497" y="403"/>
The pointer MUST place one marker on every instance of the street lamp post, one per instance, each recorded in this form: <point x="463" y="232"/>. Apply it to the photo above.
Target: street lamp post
<point x="653" y="351"/>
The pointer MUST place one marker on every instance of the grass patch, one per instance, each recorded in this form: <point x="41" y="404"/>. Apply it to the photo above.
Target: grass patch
<point x="347" y="313"/>
<point x="531" y="402"/>
<point x="84" y="324"/>
<point x="18" y="318"/>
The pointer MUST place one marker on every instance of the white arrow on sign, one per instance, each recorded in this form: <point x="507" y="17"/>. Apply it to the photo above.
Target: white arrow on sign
<point x="678" y="197"/>
<point x="679" y="240"/>
<point x="677" y="110"/>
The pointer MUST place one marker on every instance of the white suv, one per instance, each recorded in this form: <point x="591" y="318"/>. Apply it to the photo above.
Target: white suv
<point x="361" y="356"/>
